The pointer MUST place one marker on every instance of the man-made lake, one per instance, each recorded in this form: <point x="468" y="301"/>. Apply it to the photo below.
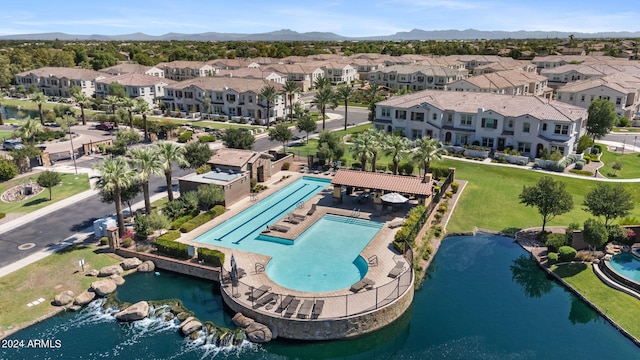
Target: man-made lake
<point x="9" y="112"/>
<point x="484" y="299"/>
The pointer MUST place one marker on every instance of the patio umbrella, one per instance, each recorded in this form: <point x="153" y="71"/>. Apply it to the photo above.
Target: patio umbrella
<point x="234" y="272"/>
<point x="394" y="198"/>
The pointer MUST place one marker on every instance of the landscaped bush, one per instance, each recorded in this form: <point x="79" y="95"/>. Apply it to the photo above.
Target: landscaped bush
<point x="437" y="231"/>
<point x="104" y="240"/>
<point x="552" y="258"/>
<point x="175" y="224"/>
<point x="202" y="219"/>
<point x="568" y="232"/>
<point x="439" y="171"/>
<point x="409" y="230"/>
<point x="566" y="253"/>
<point x="127" y="242"/>
<point x="8" y="170"/>
<point x="286" y="166"/>
<point x="454" y="187"/>
<point x="218" y="210"/>
<point x="207" y="138"/>
<point x="581" y="172"/>
<point x="211" y="257"/>
<point x="172" y="248"/>
<point x="170" y="235"/>
<point x="597" y="148"/>
<point x="185" y="136"/>
<point x="406" y="168"/>
<point x="617" y="233"/>
<point x="443" y="207"/>
<point x="448" y="194"/>
<point x="555" y="241"/>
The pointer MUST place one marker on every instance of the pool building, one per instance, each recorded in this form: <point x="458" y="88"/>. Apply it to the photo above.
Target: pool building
<point x="311" y="267"/>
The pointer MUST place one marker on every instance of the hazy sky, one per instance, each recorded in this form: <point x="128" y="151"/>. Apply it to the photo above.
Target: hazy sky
<point x="348" y="18"/>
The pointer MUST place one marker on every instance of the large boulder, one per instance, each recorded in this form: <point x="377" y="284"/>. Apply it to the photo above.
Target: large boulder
<point x="110" y="270"/>
<point x="92" y="272"/>
<point x="103" y="287"/>
<point x="189" y="326"/>
<point x="119" y="280"/>
<point x="137" y="311"/>
<point x="258" y="333"/>
<point x="64" y="298"/>
<point x="242" y="321"/>
<point x="130" y="263"/>
<point x="84" y="298"/>
<point x="147" y="266"/>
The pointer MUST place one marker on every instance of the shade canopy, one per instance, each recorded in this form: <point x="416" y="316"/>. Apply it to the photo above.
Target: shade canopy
<point x="394" y="198"/>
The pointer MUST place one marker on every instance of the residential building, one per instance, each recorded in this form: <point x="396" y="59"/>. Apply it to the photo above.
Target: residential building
<point x="148" y="87"/>
<point x="237" y="98"/>
<point x="560" y="75"/>
<point x="509" y="82"/>
<point x="505" y="64"/>
<point x="339" y="72"/>
<point x="185" y="70"/>
<point x="551" y="61"/>
<point x="472" y="61"/>
<point x="526" y="123"/>
<point x="58" y="81"/>
<point x="303" y="74"/>
<point x="622" y="89"/>
<point x="364" y="66"/>
<point x="128" y="68"/>
<point x="232" y="64"/>
<point x="254" y="73"/>
<point x="416" y="77"/>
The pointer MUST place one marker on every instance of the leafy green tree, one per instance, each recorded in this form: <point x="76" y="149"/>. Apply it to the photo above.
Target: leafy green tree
<point x="269" y="94"/>
<point x="39" y="98"/>
<point x="608" y="201"/>
<point x="126" y="138"/>
<point x="396" y="146"/>
<point x="344" y="94"/>
<point x="48" y="179"/>
<point x="616" y="166"/>
<point x="210" y="195"/>
<point x="21" y="156"/>
<point x="602" y="118"/>
<point x="197" y="154"/>
<point x="584" y="142"/>
<point x="595" y="233"/>
<point x="8" y="170"/>
<point x="307" y="125"/>
<point x="170" y="153"/>
<point x="237" y="138"/>
<point x="115" y="174"/>
<point x="282" y="134"/>
<point x="103" y="59"/>
<point x="323" y="98"/>
<point x="146" y="160"/>
<point x="330" y="146"/>
<point x="118" y="90"/>
<point x="427" y="151"/>
<point x="2" y="95"/>
<point x="549" y="196"/>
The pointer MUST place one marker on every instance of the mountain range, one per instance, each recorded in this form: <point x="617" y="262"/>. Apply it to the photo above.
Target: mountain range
<point x="289" y="35"/>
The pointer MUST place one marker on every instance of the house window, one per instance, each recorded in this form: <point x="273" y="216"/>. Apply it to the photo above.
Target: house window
<point x="386" y="112"/>
<point x="435" y="116"/>
<point x="449" y="117"/>
<point x="417" y="116"/>
<point x="510" y="124"/>
<point x="524" y="148"/>
<point x="544" y="127"/>
<point x="218" y="96"/>
<point x="487" y="142"/>
<point x="462" y="139"/>
<point x="570" y="97"/>
<point x="231" y="98"/>
<point x="416" y="134"/>
<point x="465" y="120"/>
<point x="582" y="98"/>
<point x="561" y="129"/>
<point x="558" y="148"/>
<point x="489" y="123"/>
<point x="605" y="98"/>
<point x="401" y="114"/>
<point x="618" y="100"/>
<point x="526" y="127"/>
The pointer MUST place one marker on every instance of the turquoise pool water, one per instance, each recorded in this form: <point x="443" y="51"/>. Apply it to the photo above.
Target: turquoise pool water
<point x="626" y="265"/>
<point x="325" y="257"/>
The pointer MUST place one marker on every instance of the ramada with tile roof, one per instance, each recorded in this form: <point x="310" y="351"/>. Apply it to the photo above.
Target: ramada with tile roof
<point x="381" y="184"/>
<point x="526" y="123"/>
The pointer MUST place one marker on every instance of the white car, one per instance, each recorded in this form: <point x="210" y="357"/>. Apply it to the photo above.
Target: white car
<point x="12" y="145"/>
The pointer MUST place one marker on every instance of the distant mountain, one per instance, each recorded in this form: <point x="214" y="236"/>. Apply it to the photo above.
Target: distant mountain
<point x="290" y="35"/>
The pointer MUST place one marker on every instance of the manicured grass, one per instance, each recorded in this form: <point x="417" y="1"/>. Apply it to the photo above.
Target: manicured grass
<point x="159" y="204"/>
<point x="622" y="308"/>
<point x="490" y="199"/>
<point x="5" y="134"/>
<point x="626" y="130"/>
<point x="630" y="164"/>
<point x="71" y="184"/>
<point x="37" y="281"/>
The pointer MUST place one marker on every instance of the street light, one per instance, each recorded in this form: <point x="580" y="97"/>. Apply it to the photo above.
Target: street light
<point x="73" y="152"/>
<point x="634" y="142"/>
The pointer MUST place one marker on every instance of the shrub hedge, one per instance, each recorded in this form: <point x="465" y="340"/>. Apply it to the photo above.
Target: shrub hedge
<point x="454" y="187"/>
<point x="439" y="171"/>
<point x="167" y="245"/>
<point x="552" y="258"/>
<point x="202" y="219"/>
<point x="410" y="228"/>
<point x="211" y="257"/>
<point x="555" y="241"/>
<point x="207" y="138"/>
<point x="566" y="253"/>
<point x="185" y="136"/>
<point x="175" y="224"/>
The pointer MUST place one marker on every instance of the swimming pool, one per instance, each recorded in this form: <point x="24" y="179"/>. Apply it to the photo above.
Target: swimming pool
<point x="626" y="265"/>
<point x="325" y="257"/>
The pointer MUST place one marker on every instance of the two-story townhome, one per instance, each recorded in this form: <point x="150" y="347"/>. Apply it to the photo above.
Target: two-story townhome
<point x="232" y="64"/>
<point x="443" y="61"/>
<point x="364" y="66"/>
<point x="510" y="82"/>
<point x="551" y="61"/>
<point x="148" y="87"/>
<point x="236" y="98"/>
<point x="526" y="123"/>
<point x="339" y="72"/>
<point x="303" y="74"/>
<point x="128" y="68"/>
<point x="472" y="61"/>
<point x="254" y="73"/>
<point x="561" y="75"/>
<point x="506" y="64"/>
<point x="622" y="90"/>
<point x="58" y="81"/>
<point x="416" y="77"/>
<point x="185" y="70"/>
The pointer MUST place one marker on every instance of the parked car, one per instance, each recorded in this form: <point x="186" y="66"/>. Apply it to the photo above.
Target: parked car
<point x="104" y="126"/>
<point x="12" y="145"/>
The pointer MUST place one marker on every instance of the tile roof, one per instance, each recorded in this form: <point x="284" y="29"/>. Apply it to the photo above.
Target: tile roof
<point x="248" y="73"/>
<point x="127" y="68"/>
<point x="220" y="83"/>
<point x="135" y="79"/>
<point x="503" y="79"/>
<point x="507" y="105"/>
<point x="63" y="72"/>
<point x="427" y="70"/>
<point x="385" y="182"/>
<point x="621" y="82"/>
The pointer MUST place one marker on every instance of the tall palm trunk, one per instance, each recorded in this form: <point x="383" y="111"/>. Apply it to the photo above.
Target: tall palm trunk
<point x="374" y="157"/>
<point x="395" y="166"/>
<point x="268" y="113"/>
<point x="130" y="120"/>
<point x="363" y="161"/>
<point x="118" y="200"/>
<point x="167" y="177"/>
<point x="41" y="114"/>
<point x="84" y="119"/>
<point x="291" y="108"/>
<point x="1" y="119"/>
<point x="146" y="128"/>
<point x="147" y="200"/>
<point x="346" y="104"/>
<point x="323" y="112"/>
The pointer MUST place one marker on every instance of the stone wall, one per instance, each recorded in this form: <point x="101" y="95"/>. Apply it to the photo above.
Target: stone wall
<point x="329" y="329"/>
<point x="277" y="165"/>
<point x="178" y="266"/>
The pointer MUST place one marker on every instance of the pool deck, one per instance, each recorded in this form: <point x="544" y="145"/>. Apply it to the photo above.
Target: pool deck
<point x="379" y="247"/>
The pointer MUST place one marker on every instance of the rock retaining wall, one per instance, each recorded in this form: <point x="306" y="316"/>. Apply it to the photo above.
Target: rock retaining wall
<point x="178" y="266"/>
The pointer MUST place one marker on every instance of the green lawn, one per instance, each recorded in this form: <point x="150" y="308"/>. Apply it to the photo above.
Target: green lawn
<point x="490" y="199"/>
<point x="71" y="185"/>
<point x="36" y="281"/>
<point x="622" y="308"/>
<point x="5" y="134"/>
<point x="630" y="164"/>
<point x="626" y="130"/>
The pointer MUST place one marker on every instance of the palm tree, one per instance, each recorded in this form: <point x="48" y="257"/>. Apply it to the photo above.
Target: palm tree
<point x="113" y="101"/>
<point x="323" y="98"/>
<point x="396" y="146"/>
<point x="142" y="107"/>
<point x="28" y="131"/>
<point x="115" y="174"/>
<point x="344" y="94"/>
<point x="269" y="94"/>
<point x="147" y="161"/>
<point x="321" y="83"/>
<point x="376" y="144"/>
<point x="83" y="101"/>
<point x="373" y="96"/>
<point x="39" y="98"/>
<point x="128" y="104"/>
<point x="289" y="90"/>
<point x="2" y="94"/>
<point x="170" y="153"/>
<point x="428" y="150"/>
<point x="361" y="149"/>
